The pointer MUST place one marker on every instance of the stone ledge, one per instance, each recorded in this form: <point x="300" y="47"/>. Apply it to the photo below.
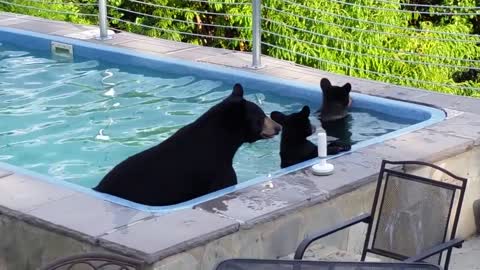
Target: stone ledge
<point x="163" y="236"/>
<point x="37" y="222"/>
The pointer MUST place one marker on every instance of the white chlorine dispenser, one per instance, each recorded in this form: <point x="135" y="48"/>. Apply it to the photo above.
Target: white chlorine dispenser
<point x="322" y="168"/>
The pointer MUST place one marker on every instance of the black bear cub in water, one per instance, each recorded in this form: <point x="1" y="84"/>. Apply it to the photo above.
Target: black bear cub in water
<point x="334" y="113"/>
<point x="336" y="101"/>
<point x="194" y="161"/>
<point x="294" y="145"/>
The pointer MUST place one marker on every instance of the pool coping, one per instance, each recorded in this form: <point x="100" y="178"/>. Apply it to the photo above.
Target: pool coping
<point x="121" y="229"/>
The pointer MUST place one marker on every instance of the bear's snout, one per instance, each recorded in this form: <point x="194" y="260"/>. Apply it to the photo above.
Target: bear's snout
<point x="270" y="128"/>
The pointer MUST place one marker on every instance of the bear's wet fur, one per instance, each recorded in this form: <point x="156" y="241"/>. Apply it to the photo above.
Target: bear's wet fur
<point x="195" y="160"/>
<point x="334" y="114"/>
<point x="336" y="101"/>
<point x="294" y="145"/>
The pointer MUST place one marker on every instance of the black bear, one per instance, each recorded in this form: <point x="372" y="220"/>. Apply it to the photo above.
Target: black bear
<point x="194" y="161"/>
<point x="334" y="116"/>
<point x="336" y="101"/>
<point x="294" y="145"/>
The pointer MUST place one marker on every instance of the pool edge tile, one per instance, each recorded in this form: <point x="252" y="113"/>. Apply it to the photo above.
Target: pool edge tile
<point x="459" y="124"/>
<point x="179" y="231"/>
<point x="265" y="201"/>
<point x="24" y="193"/>
<point x="86" y="214"/>
<point x="46" y="225"/>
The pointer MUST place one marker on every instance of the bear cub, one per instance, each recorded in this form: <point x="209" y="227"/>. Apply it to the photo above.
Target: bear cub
<point x="334" y="114"/>
<point x="294" y="145"/>
<point x="336" y="101"/>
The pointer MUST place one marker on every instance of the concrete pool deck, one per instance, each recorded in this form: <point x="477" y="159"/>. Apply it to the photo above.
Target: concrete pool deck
<point x="262" y="221"/>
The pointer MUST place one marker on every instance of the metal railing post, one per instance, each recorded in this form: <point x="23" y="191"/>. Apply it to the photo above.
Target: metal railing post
<point x="102" y="19"/>
<point x="256" y="34"/>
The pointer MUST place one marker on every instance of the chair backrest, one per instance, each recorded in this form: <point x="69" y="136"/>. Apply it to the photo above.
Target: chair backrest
<point x="95" y="261"/>
<point x="413" y="212"/>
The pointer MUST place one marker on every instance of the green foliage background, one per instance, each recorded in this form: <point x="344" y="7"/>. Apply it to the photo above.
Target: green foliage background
<point x="374" y="39"/>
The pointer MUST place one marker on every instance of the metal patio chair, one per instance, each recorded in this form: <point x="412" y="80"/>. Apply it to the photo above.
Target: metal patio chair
<point x="413" y="218"/>
<point x="95" y="261"/>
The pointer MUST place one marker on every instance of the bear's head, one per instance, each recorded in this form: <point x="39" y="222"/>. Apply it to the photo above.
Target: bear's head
<point x="296" y="126"/>
<point x="257" y="125"/>
<point x="336" y="101"/>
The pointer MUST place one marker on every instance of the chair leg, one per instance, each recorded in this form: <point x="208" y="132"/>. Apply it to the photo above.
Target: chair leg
<point x="364" y="254"/>
<point x="447" y="259"/>
<point x="367" y="236"/>
<point x="367" y="240"/>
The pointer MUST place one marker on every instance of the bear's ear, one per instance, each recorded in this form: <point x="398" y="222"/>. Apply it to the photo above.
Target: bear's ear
<point x="305" y="111"/>
<point x="347" y="87"/>
<point x="237" y="91"/>
<point x="278" y="117"/>
<point x="325" y="84"/>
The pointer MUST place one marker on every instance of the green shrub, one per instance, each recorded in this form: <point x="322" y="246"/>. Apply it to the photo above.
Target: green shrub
<point x="71" y="11"/>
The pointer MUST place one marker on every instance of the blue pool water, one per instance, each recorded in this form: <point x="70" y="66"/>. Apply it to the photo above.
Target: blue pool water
<point x="75" y="119"/>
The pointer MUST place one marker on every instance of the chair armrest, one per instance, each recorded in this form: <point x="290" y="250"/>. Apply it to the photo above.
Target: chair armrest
<point x="307" y="241"/>
<point x="457" y="242"/>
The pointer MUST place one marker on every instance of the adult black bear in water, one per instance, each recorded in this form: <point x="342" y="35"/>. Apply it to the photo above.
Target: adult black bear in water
<point x="194" y="161"/>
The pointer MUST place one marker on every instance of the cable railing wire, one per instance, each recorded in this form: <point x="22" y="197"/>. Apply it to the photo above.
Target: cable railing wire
<point x="367" y="30"/>
<point x="177" y="20"/>
<point x="427" y="6"/>
<point x="374" y="23"/>
<point x="63" y="3"/>
<point x="48" y="10"/>
<point x="177" y="32"/>
<point x="306" y="36"/>
<point x="404" y="10"/>
<point x="189" y="10"/>
<point x="371" y="71"/>
<point x="371" y="55"/>
<point x="221" y="3"/>
<point x="360" y="44"/>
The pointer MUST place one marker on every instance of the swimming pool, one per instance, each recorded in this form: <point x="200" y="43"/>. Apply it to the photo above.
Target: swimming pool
<point x="108" y="86"/>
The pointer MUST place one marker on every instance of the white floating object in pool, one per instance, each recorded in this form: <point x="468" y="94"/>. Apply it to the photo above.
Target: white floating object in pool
<point x="102" y="137"/>
<point x="116" y="104"/>
<point x="110" y="93"/>
<point x="260" y="98"/>
<point x="322" y="168"/>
